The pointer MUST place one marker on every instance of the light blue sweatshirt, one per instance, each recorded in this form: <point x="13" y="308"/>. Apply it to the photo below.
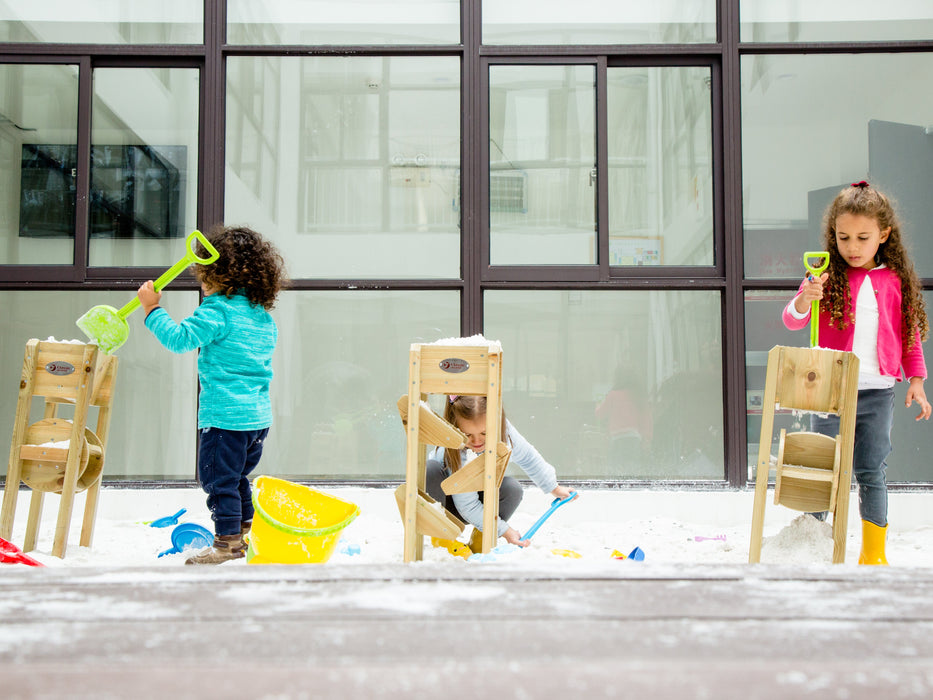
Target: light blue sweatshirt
<point x="524" y="455"/>
<point x="236" y="339"/>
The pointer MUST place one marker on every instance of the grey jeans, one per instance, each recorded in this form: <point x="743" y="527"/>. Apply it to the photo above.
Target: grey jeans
<point x="510" y="492"/>
<point x="873" y="419"/>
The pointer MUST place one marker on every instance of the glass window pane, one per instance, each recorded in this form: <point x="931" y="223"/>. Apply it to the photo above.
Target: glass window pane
<point x="96" y="22"/>
<point x="542" y="165"/>
<point x="598" y="22"/>
<point x="795" y="158"/>
<point x="350" y="164"/>
<point x="340" y="367"/>
<point x="343" y="22"/>
<point x="913" y="442"/>
<point x="614" y="384"/>
<point x="39" y="128"/>
<point x="153" y="425"/>
<point x="144" y="165"/>
<point x="660" y="166"/>
<point x="828" y="20"/>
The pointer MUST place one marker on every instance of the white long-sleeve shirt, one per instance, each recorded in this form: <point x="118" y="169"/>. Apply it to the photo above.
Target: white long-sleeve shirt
<point x="865" y="336"/>
<point x="524" y="455"/>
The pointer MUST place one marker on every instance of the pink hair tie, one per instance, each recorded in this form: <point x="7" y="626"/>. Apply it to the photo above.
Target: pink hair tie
<point x="453" y="397"/>
<point x="860" y="183"/>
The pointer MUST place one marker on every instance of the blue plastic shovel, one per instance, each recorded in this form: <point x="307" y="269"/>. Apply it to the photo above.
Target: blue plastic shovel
<point x="554" y="506"/>
<point x="168" y="519"/>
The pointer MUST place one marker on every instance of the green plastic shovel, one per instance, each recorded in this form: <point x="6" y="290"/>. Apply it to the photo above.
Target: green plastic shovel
<point x="816" y="271"/>
<point x="108" y="326"/>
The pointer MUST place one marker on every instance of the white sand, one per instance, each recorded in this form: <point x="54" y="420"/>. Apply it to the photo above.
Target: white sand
<point x="664" y="524"/>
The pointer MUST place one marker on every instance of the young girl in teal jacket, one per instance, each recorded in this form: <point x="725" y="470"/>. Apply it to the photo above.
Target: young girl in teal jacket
<point x="236" y="337"/>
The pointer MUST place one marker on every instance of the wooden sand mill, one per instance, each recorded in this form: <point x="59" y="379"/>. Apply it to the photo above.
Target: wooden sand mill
<point x="450" y="369"/>
<point x="813" y="471"/>
<point x="55" y="454"/>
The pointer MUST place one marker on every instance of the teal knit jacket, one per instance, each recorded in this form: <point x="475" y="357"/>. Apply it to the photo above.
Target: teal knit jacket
<point x="236" y="339"/>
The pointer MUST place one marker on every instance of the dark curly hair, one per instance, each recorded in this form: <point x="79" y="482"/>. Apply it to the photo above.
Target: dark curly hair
<point x="247" y="264"/>
<point x="864" y="200"/>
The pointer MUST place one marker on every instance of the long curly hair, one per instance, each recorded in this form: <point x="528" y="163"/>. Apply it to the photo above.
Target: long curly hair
<point x="248" y="264"/>
<point x="864" y="200"/>
<point x="468" y="407"/>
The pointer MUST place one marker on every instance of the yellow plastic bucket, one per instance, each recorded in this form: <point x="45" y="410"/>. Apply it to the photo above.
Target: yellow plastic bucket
<point x="295" y="524"/>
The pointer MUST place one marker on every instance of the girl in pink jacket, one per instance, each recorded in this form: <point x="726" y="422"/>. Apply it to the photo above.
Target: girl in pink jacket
<point x="871" y="304"/>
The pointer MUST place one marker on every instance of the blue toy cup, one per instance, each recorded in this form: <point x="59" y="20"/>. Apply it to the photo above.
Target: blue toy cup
<point x="189" y="536"/>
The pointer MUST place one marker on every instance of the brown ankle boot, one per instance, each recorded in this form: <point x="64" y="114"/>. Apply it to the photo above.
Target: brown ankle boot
<point x="225" y="548"/>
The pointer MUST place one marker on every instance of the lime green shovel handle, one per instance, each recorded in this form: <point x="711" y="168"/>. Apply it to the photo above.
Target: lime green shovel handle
<point x="816" y="271"/>
<point x="166" y="277"/>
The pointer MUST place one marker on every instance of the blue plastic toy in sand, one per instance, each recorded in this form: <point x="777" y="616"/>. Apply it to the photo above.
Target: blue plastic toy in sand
<point x="189" y="536"/>
<point x="557" y="503"/>
<point x="168" y="519"/>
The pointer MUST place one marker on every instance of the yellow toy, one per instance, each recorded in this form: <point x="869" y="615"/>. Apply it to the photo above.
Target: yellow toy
<point x="295" y="524"/>
<point x="458" y="549"/>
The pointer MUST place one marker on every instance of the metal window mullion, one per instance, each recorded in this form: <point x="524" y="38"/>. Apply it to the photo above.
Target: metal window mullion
<point x="83" y="170"/>
<point x="735" y="420"/>
<point x="602" y="167"/>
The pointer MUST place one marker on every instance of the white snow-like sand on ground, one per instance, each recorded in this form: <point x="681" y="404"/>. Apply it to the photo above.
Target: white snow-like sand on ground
<point x="669" y="526"/>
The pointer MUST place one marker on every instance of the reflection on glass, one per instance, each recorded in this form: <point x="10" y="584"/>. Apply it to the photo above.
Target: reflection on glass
<point x="660" y="166"/>
<point x="144" y="156"/>
<point x="350" y="164"/>
<point x="343" y="22"/>
<point x="38" y="128"/>
<point x="913" y="443"/>
<point x="154" y="421"/>
<point x="340" y="367"/>
<point x="827" y="20"/>
<point x="614" y="384"/>
<point x="542" y="165"/>
<point x="598" y="22"/>
<point x="796" y="158"/>
<point x="95" y="22"/>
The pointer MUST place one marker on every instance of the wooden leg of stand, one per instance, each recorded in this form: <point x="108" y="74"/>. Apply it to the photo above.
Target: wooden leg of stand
<point x="34" y="520"/>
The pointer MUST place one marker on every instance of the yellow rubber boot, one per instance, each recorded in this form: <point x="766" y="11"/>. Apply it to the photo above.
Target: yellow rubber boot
<point x="873" y="538"/>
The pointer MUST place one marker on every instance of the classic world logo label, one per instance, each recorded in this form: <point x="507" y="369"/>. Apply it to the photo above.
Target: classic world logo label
<point x="454" y="365"/>
<point x="60" y="368"/>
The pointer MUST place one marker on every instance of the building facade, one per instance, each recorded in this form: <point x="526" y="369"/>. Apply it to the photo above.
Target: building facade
<point x="621" y="193"/>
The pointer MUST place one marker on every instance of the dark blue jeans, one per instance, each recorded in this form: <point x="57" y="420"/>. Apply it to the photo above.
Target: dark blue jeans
<point x="873" y="420"/>
<point x="225" y="459"/>
<point x="510" y="490"/>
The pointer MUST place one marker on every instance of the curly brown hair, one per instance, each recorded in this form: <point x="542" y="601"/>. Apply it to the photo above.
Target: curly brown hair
<point x="864" y="200"/>
<point x="469" y="407"/>
<point x="248" y="264"/>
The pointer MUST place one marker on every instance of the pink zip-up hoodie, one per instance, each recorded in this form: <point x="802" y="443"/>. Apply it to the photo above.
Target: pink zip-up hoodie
<point x="891" y="355"/>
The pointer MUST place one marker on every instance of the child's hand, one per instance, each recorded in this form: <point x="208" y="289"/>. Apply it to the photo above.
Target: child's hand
<point x="513" y="536"/>
<point x="562" y="492"/>
<point x="811" y="291"/>
<point x="916" y="393"/>
<point x="149" y="298"/>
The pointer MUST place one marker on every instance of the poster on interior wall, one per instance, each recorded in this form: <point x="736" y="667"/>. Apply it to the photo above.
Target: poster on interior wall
<point x="634" y="250"/>
<point x="136" y="191"/>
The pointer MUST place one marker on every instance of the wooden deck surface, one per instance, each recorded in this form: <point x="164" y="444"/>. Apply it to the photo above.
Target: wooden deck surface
<point x="430" y="631"/>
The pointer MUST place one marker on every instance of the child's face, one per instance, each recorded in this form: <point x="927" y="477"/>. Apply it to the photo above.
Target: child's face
<point x="858" y="238"/>
<point x="207" y="289"/>
<point x="475" y="430"/>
